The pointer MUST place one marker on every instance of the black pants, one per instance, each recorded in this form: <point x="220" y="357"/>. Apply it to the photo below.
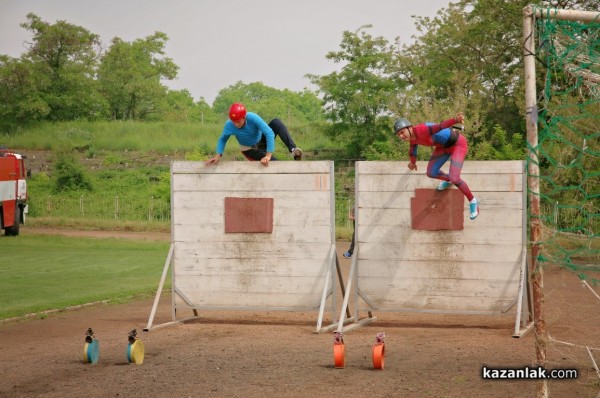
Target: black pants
<point x="259" y="151"/>
<point x="351" y="249"/>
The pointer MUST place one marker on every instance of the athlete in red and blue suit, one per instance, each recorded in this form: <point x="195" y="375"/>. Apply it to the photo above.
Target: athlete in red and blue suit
<point x="448" y="143"/>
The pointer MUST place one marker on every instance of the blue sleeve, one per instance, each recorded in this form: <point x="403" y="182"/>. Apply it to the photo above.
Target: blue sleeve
<point x="225" y="134"/>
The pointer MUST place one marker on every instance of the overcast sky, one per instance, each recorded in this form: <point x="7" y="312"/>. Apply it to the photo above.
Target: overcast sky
<point x="216" y="43"/>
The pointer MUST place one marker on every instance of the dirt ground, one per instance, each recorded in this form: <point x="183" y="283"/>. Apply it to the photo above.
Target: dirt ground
<point x="276" y="354"/>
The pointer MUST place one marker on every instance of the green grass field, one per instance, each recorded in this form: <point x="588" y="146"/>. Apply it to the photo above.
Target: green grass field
<point x="40" y="273"/>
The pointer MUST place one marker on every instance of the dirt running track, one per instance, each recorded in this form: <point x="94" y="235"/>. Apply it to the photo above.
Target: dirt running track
<point x="247" y="354"/>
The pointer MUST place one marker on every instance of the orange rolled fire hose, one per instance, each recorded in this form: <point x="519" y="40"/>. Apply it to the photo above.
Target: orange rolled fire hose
<point x="339" y="351"/>
<point x="379" y="351"/>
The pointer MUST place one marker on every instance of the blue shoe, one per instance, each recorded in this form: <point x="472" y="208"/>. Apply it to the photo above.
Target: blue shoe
<point x="443" y="185"/>
<point x="348" y="255"/>
<point x="474" y="208"/>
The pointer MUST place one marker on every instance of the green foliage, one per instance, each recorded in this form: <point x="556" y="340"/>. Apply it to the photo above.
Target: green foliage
<point x="161" y="189"/>
<point x="20" y="100"/>
<point x="39" y="184"/>
<point x="467" y="59"/>
<point x="62" y="61"/>
<point x="138" y="181"/>
<point x="344" y="199"/>
<point x="381" y="150"/>
<point x="65" y="75"/>
<point x="68" y="175"/>
<point x="178" y="106"/>
<point x="357" y="98"/>
<point x="499" y="148"/>
<point x="198" y="154"/>
<point x="112" y="159"/>
<point x="130" y="78"/>
<point x="206" y="115"/>
<point x="121" y="192"/>
<point x="270" y="103"/>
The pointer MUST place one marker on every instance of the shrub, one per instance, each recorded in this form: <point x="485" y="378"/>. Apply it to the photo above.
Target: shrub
<point x="68" y="174"/>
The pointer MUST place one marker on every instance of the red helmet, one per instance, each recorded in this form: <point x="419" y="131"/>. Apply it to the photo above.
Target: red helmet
<point x="237" y="112"/>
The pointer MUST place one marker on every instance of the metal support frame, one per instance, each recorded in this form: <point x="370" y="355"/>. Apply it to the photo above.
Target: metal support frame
<point x="353" y="278"/>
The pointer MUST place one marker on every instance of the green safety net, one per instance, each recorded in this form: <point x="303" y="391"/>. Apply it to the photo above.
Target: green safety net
<point x="568" y="106"/>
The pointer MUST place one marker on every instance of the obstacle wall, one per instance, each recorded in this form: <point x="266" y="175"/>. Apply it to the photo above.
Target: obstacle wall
<point x="245" y="236"/>
<point x="475" y="269"/>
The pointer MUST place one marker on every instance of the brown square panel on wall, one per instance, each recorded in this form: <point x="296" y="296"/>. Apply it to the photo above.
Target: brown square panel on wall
<point x="434" y="210"/>
<point x="248" y="215"/>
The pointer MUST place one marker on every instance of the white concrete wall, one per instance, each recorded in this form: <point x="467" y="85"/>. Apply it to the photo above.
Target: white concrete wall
<point x="284" y="269"/>
<point x="475" y="270"/>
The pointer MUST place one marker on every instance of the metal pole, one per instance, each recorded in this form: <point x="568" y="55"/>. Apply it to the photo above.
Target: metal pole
<point x="531" y="117"/>
<point x="564" y="15"/>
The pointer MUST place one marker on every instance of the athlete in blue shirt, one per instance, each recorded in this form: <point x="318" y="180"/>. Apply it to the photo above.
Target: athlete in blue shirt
<point x="256" y="138"/>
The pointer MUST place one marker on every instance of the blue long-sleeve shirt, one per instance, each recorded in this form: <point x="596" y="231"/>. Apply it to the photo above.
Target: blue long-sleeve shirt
<point x="249" y="135"/>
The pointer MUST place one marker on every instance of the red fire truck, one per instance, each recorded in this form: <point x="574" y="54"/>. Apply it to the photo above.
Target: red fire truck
<point x="13" y="191"/>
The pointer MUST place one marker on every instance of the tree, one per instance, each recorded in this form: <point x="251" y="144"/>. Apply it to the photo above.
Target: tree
<point x="270" y="102"/>
<point x="205" y="114"/>
<point x="469" y="58"/>
<point x="499" y="148"/>
<point x="20" y="100"/>
<point x="61" y="61"/>
<point x="251" y="94"/>
<point x="356" y="98"/>
<point x="178" y="106"/>
<point x="130" y="76"/>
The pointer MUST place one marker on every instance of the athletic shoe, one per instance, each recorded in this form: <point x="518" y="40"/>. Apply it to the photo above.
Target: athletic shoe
<point x="348" y="255"/>
<point x="443" y="185"/>
<point x="297" y="152"/>
<point x="474" y="208"/>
